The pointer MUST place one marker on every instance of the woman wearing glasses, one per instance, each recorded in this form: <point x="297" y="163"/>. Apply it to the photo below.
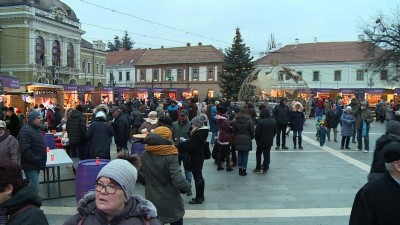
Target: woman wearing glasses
<point x="113" y="200"/>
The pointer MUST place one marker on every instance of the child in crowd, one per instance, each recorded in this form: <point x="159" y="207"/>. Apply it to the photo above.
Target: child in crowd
<point x="322" y="131"/>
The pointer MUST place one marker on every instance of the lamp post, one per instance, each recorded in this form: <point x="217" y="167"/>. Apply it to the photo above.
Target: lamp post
<point x="84" y="68"/>
<point x="371" y="82"/>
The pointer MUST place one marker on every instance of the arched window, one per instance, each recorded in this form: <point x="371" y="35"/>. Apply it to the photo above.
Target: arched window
<point x="40" y="51"/>
<point x="70" y="55"/>
<point x="88" y="83"/>
<point x="73" y="81"/>
<point x="56" y="53"/>
<point x="43" y="80"/>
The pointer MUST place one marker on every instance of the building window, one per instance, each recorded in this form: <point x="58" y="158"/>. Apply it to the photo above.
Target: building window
<point x="195" y="73"/>
<point x="128" y="76"/>
<point x="88" y="67"/>
<point x="280" y="76"/>
<point x="338" y="75"/>
<point x="316" y="76"/>
<point x="40" y="51"/>
<point x="70" y="55"/>
<point x="179" y="73"/>
<point x="360" y="75"/>
<point x="97" y="68"/>
<point x="169" y="74"/>
<point x="300" y="73"/>
<point x="84" y="66"/>
<point x="120" y="76"/>
<point x="102" y="69"/>
<point x="111" y="77"/>
<point x="210" y="73"/>
<point x="155" y="74"/>
<point x="56" y="53"/>
<point x="384" y="75"/>
<point x="142" y="75"/>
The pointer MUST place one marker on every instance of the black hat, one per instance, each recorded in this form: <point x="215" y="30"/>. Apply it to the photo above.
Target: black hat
<point x="391" y="152"/>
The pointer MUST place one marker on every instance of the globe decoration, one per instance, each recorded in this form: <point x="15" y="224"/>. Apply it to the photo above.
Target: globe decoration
<point x="277" y="82"/>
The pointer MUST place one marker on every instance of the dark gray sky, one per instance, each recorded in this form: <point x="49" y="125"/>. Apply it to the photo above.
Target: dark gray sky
<point x="173" y="23"/>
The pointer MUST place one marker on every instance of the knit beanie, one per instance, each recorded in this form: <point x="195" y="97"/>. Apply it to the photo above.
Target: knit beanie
<point x="164" y="132"/>
<point x="393" y="127"/>
<point x="123" y="172"/>
<point x="199" y="120"/>
<point x="33" y="115"/>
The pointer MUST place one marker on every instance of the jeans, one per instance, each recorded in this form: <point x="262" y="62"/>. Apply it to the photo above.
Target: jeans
<point x="182" y="157"/>
<point x="178" y="222"/>
<point x="297" y="135"/>
<point x="243" y="157"/>
<point x="281" y="129"/>
<point x="359" y="140"/>
<point x="223" y="154"/>
<point x="32" y="176"/>
<point x="213" y="136"/>
<point x="265" y="151"/>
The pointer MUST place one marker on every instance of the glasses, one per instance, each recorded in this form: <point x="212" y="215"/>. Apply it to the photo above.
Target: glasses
<point x="110" y="188"/>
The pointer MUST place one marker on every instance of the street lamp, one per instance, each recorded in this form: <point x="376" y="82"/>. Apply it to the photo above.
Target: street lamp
<point x="371" y="82"/>
<point x="84" y="68"/>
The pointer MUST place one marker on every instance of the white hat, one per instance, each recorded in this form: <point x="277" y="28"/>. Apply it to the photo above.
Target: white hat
<point x="101" y="114"/>
<point x="348" y="107"/>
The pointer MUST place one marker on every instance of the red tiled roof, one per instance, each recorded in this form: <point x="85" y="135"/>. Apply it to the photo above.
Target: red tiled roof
<point x="126" y="57"/>
<point x="189" y="54"/>
<point x="319" y="53"/>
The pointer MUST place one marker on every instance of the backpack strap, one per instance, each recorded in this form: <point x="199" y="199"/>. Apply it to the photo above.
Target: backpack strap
<point x="81" y="221"/>
<point x="19" y="211"/>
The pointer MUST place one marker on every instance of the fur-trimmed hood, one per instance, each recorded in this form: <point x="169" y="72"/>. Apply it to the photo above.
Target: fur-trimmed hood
<point x="102" y="107"/>
<point x="297" y="104"/>
<point x="142" y="206"/>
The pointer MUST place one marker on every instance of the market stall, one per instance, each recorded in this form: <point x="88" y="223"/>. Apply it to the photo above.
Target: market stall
<point x="45" y="94"/>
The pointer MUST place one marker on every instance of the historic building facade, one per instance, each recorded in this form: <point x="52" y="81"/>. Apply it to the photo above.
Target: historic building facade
<point x="40" y="41"/>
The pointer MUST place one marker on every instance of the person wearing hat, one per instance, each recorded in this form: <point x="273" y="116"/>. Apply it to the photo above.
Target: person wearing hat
<point x="378" y="202"/>
<point x="197" y="145"/>
<point x="19" y="202"/>
<point x="21" y="117"/>
<point x="76" y="129"/>
<point x="99" y="134"/>
<point x="224" y="138"/>
<point x="51" y="118"/>
<point x="113" y="201"/>
<point x="363" y="115"/>
<point x="32" y="148"/>
<point x="12" y="122"/>
<point x="378" y="164"/>
<point x="347" y="119"/>
<point x="149" y="124"/>
<point x="181" y="134"/>
<point x="164" y="180"/>
<point x="9" y="147"/>
<point x="121" y="128"/>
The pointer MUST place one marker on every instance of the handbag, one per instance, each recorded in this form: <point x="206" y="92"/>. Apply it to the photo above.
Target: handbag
<point x="207" y="152"/>
<point x="364" y="129"/>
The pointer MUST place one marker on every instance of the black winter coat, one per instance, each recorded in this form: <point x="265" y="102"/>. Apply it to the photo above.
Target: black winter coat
<point x="281" y="114"/>
<point x="32" y="148"/>
<point x="99" y="134"/>
<point x="28" y="216"/>
<point x="378" y="162"/>
<point x="121" y="128"/>
<point x="196" y="150"/>
<point x="243" y="130"/>
<point x="297" y="120"/>
<point x="265" y="130"/>
<point x="76" y="127"/>
<point x="332" y="118"/>
<point x="13" y="126"/>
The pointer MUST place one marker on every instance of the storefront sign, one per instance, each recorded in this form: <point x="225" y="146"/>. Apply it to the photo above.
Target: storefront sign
<point x="45" y="94"/>
<point x="347" y="91"/>
<point x="158" y="90"/>
<point x="374" y="90"/>
<point x="142" y="90"/>
<point x="88" y="88"/>
<point x="324" y="90"/>
<point x="124" y="89"/>
<point x="172" y="90"/>
<point x="107" y="89"/>
<point x="68" y="87"/>
<point x="9" y="82"/>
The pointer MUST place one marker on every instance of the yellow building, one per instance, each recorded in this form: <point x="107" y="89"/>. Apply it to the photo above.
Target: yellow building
<point x="40" y="42"/>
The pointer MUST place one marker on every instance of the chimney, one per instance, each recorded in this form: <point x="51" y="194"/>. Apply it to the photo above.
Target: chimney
<point x="121" y="49"/>
<point x="188" y="44"/>
<point x="315" y="40"/>
<point x="200" y="44"/>
<point x="296" y="41"/>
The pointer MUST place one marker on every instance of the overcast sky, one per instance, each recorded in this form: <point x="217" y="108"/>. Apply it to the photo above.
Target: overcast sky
<point x="173" y="23"/>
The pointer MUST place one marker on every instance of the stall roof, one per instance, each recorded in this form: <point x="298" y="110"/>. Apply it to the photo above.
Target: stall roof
<point x="44" y="85"/>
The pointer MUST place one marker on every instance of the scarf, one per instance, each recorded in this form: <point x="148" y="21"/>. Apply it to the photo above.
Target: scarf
<point x="162" y="149"/>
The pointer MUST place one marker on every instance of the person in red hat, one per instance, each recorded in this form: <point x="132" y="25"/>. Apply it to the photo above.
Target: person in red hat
<point x="21" y="117"/>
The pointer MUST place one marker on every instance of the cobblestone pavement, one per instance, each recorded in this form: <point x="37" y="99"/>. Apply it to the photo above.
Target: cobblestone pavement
<point x="315" y="186"/>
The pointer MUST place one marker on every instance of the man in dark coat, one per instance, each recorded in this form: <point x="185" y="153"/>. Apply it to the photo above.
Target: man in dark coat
<point x="363" y="115"/>
<point x="281" y="115"/>
<point x="264" y="135"/>
<point x="32" y="148"/>
<point x="99" y="134"/>
<point x="121" y="128"/>
<point x="12" y="122"/>
<point x="76" y="129"/>
<point x="333" y="119"/>
<point x="57" y="114"/>
<point x="378" y="202"/>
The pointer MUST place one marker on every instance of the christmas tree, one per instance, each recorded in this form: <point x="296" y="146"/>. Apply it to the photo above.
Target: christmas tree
<point x="238" y="64"/>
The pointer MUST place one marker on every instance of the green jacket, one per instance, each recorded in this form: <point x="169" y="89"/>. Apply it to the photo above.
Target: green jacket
<point x="164" y="183"/>
<point x="363" y="115"/>
<point x="32" y="215"/>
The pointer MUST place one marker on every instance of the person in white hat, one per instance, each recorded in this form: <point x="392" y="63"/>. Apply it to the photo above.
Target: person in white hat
<point x="9" y="147"/>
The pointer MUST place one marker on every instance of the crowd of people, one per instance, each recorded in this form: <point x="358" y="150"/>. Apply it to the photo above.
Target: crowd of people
<point x="176" y="138"/>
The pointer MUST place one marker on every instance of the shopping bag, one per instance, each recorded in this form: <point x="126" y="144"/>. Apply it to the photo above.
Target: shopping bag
<point x="364" y="129"/>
